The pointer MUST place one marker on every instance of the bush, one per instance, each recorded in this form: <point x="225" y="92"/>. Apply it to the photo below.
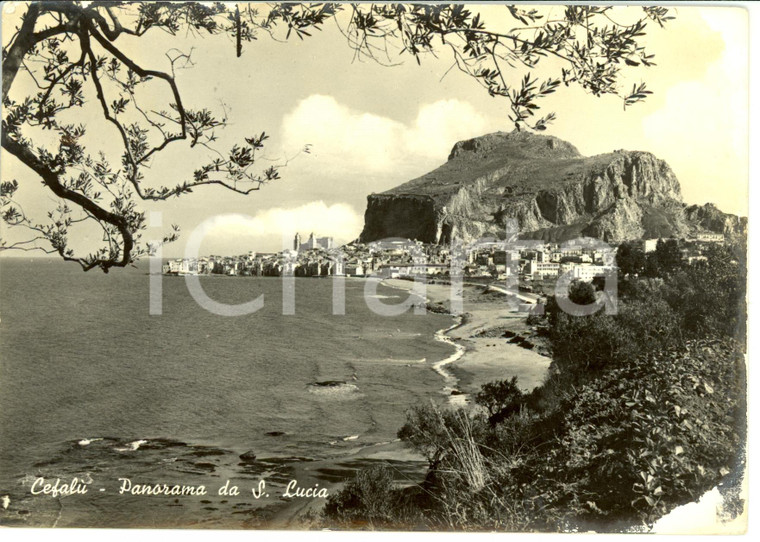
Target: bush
<point x="710" y="297"/>
<point x="651" y="435"/>
<point x="501" y="398"/>
<point x="438" y="434"/>
<point x="630" y="258"/>
<point x="585" y="345"/>
<point x="368" y="501"/>
<point x="582" y="293"/>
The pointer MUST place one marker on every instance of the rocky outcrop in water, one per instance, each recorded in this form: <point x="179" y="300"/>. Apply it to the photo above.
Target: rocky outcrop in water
<point x="551" y="190"/>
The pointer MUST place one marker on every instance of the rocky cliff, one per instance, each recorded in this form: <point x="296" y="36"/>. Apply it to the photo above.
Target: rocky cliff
<point x="545" y="184"/>
<point x="709" y="217"/>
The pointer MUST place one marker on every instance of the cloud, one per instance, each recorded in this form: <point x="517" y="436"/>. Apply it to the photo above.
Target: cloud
<point x="362" y="142"/>
<point x="339" y="136"/>
<point x="709" y="116"/>
<point x="266" y="229"/>
<point x="441" y="124"/>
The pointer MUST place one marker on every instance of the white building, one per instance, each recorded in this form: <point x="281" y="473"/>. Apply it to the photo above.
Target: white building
<point x="710" y="237"/>
<point x="393" y="271"/>
<point x="538" y="269"/>
<point x="429" y="269"/>
<point x="181" y="267"/>
<point x="355" y="269"/>
<point x="650" y="245"/>
<point x="587" y="273"/>
<point x="338" y="267"/>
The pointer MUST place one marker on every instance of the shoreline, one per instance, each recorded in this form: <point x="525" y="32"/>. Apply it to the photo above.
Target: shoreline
<point x="484" y="337"/>
<point x="440" y="367"/>
<point x="472" y="362"/>
<point x="396" y="454"/>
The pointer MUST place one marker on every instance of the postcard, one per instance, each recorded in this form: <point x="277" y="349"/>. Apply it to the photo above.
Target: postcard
<point x="398" y="267"/>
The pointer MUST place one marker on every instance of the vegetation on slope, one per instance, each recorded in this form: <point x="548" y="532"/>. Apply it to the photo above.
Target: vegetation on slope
<point x="643" y="411"/>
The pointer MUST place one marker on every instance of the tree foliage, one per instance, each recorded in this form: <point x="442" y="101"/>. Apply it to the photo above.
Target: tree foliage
<point x="630" y="258"/>
<point x="501" y="398"/>
<point x="581" y="292"/>
<point x="74" y="53"/>
<point x="667" y="256"/>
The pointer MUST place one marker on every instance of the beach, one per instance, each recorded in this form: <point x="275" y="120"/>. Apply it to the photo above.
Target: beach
<point x="485" y="354"/>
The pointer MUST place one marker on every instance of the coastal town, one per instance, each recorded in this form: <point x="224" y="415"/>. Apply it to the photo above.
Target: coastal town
<point x="530" y="261"/>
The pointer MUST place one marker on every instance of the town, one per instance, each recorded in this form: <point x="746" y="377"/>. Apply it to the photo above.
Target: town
<point x="534" y="263"/>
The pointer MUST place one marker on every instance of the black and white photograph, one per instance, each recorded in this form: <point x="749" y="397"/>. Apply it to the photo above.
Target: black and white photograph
<point x="427" y="267"/>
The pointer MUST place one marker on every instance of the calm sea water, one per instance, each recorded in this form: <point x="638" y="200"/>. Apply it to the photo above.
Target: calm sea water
<point x="92" y="386"/>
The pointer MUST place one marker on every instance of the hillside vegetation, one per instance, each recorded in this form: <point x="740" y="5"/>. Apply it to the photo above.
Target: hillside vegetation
<point x="643" y="411"/>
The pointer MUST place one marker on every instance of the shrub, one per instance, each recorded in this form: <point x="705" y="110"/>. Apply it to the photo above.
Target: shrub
<point x="582" y="293"/>
<point x="652" y="434"/>
<point x="437" y="433"/>
<point x="630" y="258"/>
<point x="583" y="345"/>
<point x="710" y="296"/>
<point x="501" y="398"/>
<point x="368" y="501"/>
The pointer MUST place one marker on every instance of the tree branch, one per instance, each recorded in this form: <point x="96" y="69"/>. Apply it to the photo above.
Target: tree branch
<point x="148" y="73"/>
<point x="21" y="46"/>
<point x="52" y="181"/>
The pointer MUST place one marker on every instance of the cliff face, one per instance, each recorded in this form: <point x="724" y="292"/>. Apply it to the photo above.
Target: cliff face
<point x="544" y="183"/>
<point x="710" y="218"/>
<point x="409" y="216"/>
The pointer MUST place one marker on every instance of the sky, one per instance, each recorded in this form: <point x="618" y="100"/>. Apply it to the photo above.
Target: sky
<point x="371" y="127"/>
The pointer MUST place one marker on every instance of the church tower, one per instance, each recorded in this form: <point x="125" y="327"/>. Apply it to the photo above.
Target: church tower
<point x="297" y="242"/>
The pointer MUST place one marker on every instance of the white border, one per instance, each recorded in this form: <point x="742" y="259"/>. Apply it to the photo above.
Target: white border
<point x="195" y="535"/>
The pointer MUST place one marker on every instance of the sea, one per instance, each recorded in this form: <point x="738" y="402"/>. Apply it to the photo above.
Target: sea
<point x="95" y="388"/>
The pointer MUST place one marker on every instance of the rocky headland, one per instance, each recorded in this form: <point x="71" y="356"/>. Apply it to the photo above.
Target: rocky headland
<point x="551" y="190"/>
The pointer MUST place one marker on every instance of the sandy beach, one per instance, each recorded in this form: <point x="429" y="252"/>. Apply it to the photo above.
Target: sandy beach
<point x="486" y="354"/>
